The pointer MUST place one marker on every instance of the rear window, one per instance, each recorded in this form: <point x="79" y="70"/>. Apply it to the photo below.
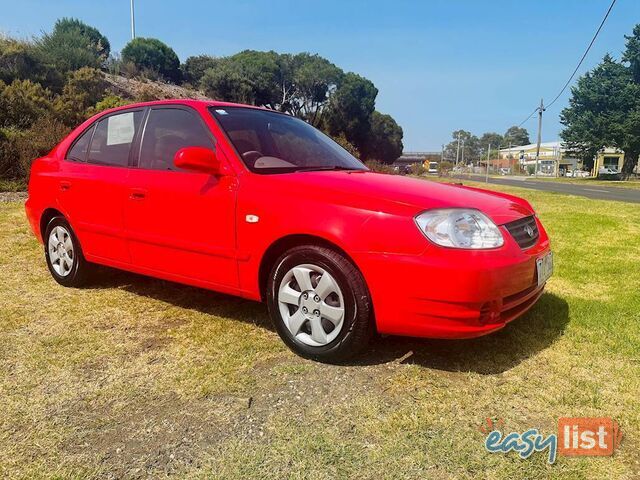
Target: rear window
<point x="113" y="137"/>
<point x="78" y="152"/>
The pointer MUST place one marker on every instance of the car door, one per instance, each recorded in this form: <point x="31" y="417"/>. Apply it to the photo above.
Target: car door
<point x="93" y="185"/>
<point x="180" y="224"/>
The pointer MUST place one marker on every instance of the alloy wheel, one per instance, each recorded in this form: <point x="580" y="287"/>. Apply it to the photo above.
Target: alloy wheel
<point x="311" y="305"/>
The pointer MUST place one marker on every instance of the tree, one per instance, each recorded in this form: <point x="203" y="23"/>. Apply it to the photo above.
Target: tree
<point x="350" y="109"/>
<point x="194" y="67"/>
<point x="313" y="80"/>
<point x="226" y="82"/>
<point x="516" y="136"/>
<point x="493" y="139"/>
<point x="604" y="111"/>
<point x="469" y="151"/>
<point x="385" y="139"/>
<point x="73" y="44"/>
<point x="152" y="55"/>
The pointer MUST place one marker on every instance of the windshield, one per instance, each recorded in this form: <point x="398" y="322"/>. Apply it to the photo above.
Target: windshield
<point x="271" y="142"/>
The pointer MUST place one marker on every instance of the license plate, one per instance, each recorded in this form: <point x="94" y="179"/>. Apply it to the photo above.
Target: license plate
<point x="544" y="267"/>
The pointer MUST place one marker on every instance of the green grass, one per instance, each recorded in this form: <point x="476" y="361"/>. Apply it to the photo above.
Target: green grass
<point x="137" y="377"/>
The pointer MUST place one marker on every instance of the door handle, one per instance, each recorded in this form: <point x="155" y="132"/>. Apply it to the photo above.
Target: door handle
<point x="64" y="185"/>
<point x="138" y="194"/>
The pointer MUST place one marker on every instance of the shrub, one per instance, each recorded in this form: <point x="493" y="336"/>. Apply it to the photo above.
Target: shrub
<point x="150" y="54"/>
<point x="73" y="45"/>
<point x="445" y="167"/>
<point x="22" y="103"/>
<point x="349" y="147"/>
<point x="379" y="167"/>
<point x="417" y="169"/>
<point x="110" y="101"/>
<point x="84" y="88"/>
<point x="19" y="148"/>
<point x="20" y="60"/>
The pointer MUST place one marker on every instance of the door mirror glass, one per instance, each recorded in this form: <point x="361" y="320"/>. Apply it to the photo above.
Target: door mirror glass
<point x="198" y="159"/>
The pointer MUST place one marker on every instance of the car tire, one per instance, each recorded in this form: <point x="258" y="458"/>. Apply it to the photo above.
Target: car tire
<point x="64" y="255"/>
<point x="314" y="328"/>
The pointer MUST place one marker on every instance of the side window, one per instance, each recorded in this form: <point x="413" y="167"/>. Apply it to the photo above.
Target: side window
<point x="113" y="137"/>
<point x="78" y="152"/>
<point x="167" y="131"/>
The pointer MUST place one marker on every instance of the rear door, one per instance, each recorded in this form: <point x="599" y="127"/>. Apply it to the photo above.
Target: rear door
<point x="180" y="223"/>
<point x="93" y="185"/>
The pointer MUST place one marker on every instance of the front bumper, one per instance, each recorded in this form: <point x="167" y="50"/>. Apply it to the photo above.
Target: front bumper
<point x="449" y="293"/>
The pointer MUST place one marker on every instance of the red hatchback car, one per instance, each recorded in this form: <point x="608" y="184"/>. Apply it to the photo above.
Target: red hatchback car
<point x="259" y="204"/>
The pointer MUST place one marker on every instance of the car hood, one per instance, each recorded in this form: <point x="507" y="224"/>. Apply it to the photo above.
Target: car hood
<point x="382" y="191"/>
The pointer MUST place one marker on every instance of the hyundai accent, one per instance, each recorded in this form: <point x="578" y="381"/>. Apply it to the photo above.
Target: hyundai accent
<point x="259" y="204"/>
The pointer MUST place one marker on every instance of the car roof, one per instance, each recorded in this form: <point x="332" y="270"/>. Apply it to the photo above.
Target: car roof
<point x="190" y="102"/>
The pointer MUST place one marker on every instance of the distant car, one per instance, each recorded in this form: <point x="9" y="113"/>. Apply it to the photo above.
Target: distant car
<point x="505" y="171"/>
<point x="259" y="204"/>
<point x="433" y="168"/>
<point x="608" y="173"/>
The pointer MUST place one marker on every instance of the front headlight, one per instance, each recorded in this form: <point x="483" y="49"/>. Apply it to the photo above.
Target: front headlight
<point x="459" y="228"/>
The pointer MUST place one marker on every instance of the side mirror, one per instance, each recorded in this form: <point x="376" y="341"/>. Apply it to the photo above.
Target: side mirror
<point x="198" y="159"/>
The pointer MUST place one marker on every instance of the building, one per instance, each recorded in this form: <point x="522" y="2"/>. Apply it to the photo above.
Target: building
<point x="553" y="159"/>
<point x="608" y="158"/>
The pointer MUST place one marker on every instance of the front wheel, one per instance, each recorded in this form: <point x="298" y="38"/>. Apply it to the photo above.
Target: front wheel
<point x="319" y="304"/>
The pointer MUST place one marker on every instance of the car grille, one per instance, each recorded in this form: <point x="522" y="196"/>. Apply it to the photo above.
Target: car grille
<point x="524" y="231"/>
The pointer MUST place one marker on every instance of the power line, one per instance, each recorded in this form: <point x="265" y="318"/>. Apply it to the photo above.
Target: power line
<point x="584" y="55"/>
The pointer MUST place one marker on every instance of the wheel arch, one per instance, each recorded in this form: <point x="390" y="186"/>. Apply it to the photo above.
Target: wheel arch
<point x="278" y="247"/>
<point x="46" y="217"/>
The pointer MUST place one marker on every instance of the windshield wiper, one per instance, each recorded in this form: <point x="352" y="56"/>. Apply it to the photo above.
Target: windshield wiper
<point x="323" y="168"/>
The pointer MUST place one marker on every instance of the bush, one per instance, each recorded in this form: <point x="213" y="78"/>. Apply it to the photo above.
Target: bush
<point x="445" y="167"/>
<point x="22" y="103"/>
<point x="21" y="60"/>
<point x="19" y="148"/>
<point x="379" y="167"/>
<point x="150" y="54"/>
<point x="84" y="88"/>
<point x="417" y="169"/>
<point x="110" y="101"/>
<point x="73" y="45"/>
<point x="349" y="147"/>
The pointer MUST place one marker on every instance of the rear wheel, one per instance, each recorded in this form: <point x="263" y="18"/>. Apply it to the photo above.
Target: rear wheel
<point x="319" y="304"/>
<point x="63" y="254"/>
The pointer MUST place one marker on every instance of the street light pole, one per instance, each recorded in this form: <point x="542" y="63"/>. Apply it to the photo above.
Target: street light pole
<point x="133" y="22"/>
<point x="458" y="150"/>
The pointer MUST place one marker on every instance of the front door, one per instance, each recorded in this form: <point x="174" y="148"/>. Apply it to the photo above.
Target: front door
<point x="180" y="223"/>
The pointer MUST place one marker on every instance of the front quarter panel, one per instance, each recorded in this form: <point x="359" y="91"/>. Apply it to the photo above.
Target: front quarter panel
<point x="282" y="212"/>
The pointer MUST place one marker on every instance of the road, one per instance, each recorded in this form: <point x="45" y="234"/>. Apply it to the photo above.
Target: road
<point x="596" y="192"/>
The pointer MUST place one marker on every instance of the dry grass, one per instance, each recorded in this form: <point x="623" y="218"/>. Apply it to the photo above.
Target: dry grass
<point x="135" y="377"/>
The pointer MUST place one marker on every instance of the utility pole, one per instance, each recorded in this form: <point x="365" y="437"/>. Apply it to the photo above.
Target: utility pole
<point x="458" y="150"/>
<point x="540" y="110"/>
<point x="442" y="154"/>
<point x="488" y="156"/>
<point x="463" y="152"/>
<point x="133" y="22"/>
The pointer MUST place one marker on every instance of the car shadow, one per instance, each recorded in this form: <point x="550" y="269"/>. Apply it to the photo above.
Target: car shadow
<point x="491" y="354"/>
